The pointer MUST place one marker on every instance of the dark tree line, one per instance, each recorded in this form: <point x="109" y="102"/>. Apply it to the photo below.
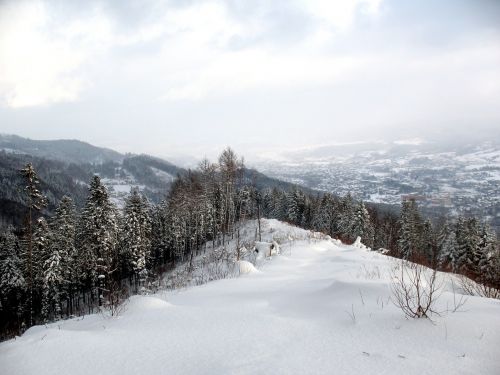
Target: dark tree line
<point x="77" y="261"/>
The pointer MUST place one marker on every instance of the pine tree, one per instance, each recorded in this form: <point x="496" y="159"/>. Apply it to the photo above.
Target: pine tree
<point x="467" y="254"/>
<point x="447" y="245"/>
<point x="52" y="282"/>
<point x="428" y="245"/>
<point x="41" y="252"/>
<point x="323" y="213"/>
<point x="231" y="169"/>
<point x="410" y="230"/>
<point x="97" y="238"/>
<point x="346" y="212"/>
<point x="35" y="202"/>
<point x="12" y="281"/>
<point x="136" y="231"/>
<point x="60" y="266"/>
<point x="293" y="213"/>
<point x="361" y="224"/>
<point x="159" y="235"/>
<point x="489" y="259"/>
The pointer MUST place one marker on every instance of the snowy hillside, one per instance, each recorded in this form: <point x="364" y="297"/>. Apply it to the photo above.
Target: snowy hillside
<point x="318" y="308"/>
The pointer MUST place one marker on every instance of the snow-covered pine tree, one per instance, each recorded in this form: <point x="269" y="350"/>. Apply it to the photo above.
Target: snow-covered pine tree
<point x="136" y="231"/>
<point x="97" y="238"/>
<point x="159" y="235"/>
<point x="466" y="257"/>
<point x="35" y="202"/>
<point x="231" y="169"/>
<point x="41" y="251"/>
<point x="177" y="235"/>
<point x="361" y="225"/>
<point x="51" y="287"/>
<point x="346" y="211"/>
<point x="267" y="203"/>
<point x="386" y="230"/>
<point x="60" y="275"/>
<point x="307" y="211"/>
<point x="321" y="215"/>
<point x="428" y="245"/>
<point x="447" y="246"/>
<point x="292" y="207"/>
<point x="12" y="282"/>
<point x="245" y="203"/>
<point x="410" y="229"/>
<point x="489" y="259"/>
<point x="280" y="210"/>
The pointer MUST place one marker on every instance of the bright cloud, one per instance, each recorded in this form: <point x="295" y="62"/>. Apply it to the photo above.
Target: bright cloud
<point x="43" y="61"/>
<point x="322" y="68"/>
<point x="39" y="61"/>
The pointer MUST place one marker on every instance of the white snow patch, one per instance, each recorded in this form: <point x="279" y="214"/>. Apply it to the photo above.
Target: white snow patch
<point x="247" y="267"/>
<point x="266" y="249"/>
<point x="359" y="245"/>
<point x="320" y="307"/>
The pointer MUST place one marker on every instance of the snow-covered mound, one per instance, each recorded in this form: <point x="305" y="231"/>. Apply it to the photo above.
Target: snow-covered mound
<point x="318" y="308"/>
<point x="266" y="249"/>
<point x="360" y="245"/>
<point x="140" y="304"/>
<point x="246" y="267"/>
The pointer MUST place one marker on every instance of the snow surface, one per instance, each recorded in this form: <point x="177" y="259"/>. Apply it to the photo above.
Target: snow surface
<point x="318" y="308"/>
<point x="246" y="267"/>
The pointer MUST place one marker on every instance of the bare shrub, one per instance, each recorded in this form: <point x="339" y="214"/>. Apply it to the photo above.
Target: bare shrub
<point x="117" y="296"/>
<point x="415" y="289"/>
<point x="477" y="289"/>
<point x="458" y="303"/>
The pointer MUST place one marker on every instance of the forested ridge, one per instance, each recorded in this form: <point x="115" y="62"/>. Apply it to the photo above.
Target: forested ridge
<point x="76" y="261"/>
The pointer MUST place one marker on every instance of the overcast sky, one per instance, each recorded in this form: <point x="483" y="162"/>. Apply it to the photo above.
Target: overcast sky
<point x="189" y="77"/>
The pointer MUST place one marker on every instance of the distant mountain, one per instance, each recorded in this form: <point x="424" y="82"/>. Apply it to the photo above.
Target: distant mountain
<point x="67" y="150"/>
<point x="56" y="180"/>
<point x="379" y="150"/>
<point x="66" y="166"/>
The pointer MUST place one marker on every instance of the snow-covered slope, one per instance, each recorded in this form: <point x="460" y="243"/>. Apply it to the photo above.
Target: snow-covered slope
<point x="318" y="308"/>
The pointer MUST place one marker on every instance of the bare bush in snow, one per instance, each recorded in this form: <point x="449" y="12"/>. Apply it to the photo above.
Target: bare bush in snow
<point x="415" y="289"/>
<point x="477" y="289"/>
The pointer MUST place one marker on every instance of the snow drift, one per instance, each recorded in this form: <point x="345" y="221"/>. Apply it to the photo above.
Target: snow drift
<point x="319" y="308"/>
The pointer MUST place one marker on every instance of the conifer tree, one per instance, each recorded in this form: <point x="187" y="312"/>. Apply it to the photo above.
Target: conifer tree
<point x="60" y="268"/>
<point x="447" y="245"/>
<point x="97" y="238"/>
<point x="361" y="225"/>
<point x="428" y="245"/>
<point x="346" y="212"/>
<point x="467" y="255"/>
<point x="293" y="206"/>
<point x="410" y="229"/>
<point x="322" y="215"/>
<point x="488" y="266"/>
<point x="12" y="282"/>
<point x="42" y="237"/>
<point x="35" y="202"/>
<point x="137" y="235"/>
<point x="159" y="235"/>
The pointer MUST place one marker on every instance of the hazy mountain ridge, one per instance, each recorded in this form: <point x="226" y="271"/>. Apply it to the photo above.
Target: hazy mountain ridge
<point x="66" y="150"/>
<point x="66" y="166"/>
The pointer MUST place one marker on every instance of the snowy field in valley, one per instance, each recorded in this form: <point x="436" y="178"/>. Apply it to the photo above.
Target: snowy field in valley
<point x="318" y="308"/>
